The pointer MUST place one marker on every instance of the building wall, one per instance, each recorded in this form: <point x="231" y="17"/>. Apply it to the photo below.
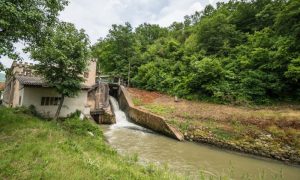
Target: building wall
<point x="91" y="79"/>
<point x="11" y="93"/>
<point x="33" y="96"/>
<point x="21" y="95"/>
<point x="16" y="94"/>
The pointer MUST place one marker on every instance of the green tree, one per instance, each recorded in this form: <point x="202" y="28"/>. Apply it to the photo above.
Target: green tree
<point x="25" y="21"/>
<point x="62" y="59"/>
<point x="147" y="34"/>
<point x="239" y="52"/>
<point x="115" y="52"/>
<point x="288" y="24"/>
<point x="293" y="71"/>
<point x="216" y="35"/>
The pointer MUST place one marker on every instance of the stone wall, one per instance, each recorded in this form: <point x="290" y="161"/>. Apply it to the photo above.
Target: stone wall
<point x="146" y="119"/>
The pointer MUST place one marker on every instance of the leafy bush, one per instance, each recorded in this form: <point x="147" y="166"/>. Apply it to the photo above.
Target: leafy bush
<point x="30" y="110"/>
<point x="80" y="127"/>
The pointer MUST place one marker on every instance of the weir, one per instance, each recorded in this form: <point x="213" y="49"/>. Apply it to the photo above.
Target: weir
<point x="102" y="110"/>
<point x="121" y="118"/>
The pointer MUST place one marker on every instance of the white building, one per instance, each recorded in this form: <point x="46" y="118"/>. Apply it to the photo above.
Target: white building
<point x="23" y="88"/>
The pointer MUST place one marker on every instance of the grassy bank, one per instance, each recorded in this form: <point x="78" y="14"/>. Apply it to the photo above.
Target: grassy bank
<point x="267" y="131"/>
<point x="32" y="148"/>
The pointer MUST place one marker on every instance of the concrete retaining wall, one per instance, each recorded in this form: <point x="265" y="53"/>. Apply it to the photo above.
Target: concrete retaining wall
<point x="146" y="119"/>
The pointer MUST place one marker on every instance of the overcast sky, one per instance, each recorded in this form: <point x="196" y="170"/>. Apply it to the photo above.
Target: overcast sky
<point x="97" y="16"/>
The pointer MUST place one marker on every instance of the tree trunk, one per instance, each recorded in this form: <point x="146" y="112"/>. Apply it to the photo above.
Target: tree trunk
<point x="59" y="107"/>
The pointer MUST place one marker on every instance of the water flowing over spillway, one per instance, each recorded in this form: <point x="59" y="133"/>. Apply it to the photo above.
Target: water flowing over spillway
<point x="121" y="119"/>
<point x="189" y="158"/>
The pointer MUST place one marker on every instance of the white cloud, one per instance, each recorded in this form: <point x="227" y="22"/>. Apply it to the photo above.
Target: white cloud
<point x="97" y="16"/>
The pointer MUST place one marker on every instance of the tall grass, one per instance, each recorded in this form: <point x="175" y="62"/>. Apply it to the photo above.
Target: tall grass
<point x="31" y="148"/>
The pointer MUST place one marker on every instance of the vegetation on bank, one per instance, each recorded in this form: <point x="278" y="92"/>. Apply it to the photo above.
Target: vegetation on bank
<point x="33" y="148"/>
<point x="267" y="131"/>
<point x="237" y="52"/>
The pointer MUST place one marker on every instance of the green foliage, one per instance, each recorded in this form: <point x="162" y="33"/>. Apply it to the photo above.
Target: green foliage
<point x="62" y="59"/>
<point x="80" y="127"/>
<point x="35" y="149"/>
<point x="25" y="21"/>
<point x="159" y="109"/>
<point x="31" y="110"/>
<point x="137" y="101"/>
<point x="216" y="35"/>
<point x="239" y="52"/>
<point x="116" y="51"/>
<point x="293" y="71"/>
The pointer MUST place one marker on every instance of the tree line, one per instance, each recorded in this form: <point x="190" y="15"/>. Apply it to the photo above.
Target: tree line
<point x="237" y="52"/>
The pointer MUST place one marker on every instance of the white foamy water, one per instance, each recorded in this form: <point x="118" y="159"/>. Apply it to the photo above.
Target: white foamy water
<point x="121" y="118"/>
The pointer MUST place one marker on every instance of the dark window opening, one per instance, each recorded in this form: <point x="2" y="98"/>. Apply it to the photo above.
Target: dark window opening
<point x="50" y="101"/>
<point x="47" y="101"/>
<point x="55" y="101"/>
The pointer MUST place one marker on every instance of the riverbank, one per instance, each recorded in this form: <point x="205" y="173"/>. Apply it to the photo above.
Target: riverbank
<point x="32" y="148"/>
<point x="266" y="131"/>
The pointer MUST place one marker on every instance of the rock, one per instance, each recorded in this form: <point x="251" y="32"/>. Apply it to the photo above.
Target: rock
<point x="91" y="134"/>
<point x="176" y="99"/>
<point x="81" y="117"/>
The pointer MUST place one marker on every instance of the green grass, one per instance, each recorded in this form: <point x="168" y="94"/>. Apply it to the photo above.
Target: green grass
<point x="137" y="102"/>
<point x="159" y="109"/>
<point x="32" y="148"/>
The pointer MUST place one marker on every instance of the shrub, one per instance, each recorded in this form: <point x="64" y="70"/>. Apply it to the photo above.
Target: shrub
<point x="80" y="127"/>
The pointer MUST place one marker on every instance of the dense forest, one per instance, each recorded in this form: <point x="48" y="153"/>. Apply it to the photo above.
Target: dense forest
<point x="237" y="52"/>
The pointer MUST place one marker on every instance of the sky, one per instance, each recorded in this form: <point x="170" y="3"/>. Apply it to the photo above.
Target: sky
<point x="97" y="16"/>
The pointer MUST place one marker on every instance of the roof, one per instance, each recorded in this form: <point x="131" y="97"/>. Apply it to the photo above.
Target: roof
<point x="2" y="85"/>
<point x="31" y="80"/>
<point x="37" y="81"/>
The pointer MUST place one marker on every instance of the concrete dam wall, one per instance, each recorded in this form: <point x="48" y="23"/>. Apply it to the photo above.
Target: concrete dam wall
<point x="144" y="118"/>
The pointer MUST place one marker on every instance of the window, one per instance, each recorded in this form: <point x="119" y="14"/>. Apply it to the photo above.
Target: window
<point x="50" y="101"/>
<point x="47" y="101"/>
<point x="43" y="101"/>
<point x="56" y="101"/>
<point x="20" y="99"/>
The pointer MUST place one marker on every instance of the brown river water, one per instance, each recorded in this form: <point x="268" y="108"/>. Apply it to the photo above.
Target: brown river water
<point x="189" y="158"/>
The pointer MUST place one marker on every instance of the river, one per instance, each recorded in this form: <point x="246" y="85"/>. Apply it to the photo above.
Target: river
<point x="190" y="158"/>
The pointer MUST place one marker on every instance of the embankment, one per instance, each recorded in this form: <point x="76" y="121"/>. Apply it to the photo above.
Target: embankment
<point x="146" y="119"/>
<point x="265" y="131"/>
